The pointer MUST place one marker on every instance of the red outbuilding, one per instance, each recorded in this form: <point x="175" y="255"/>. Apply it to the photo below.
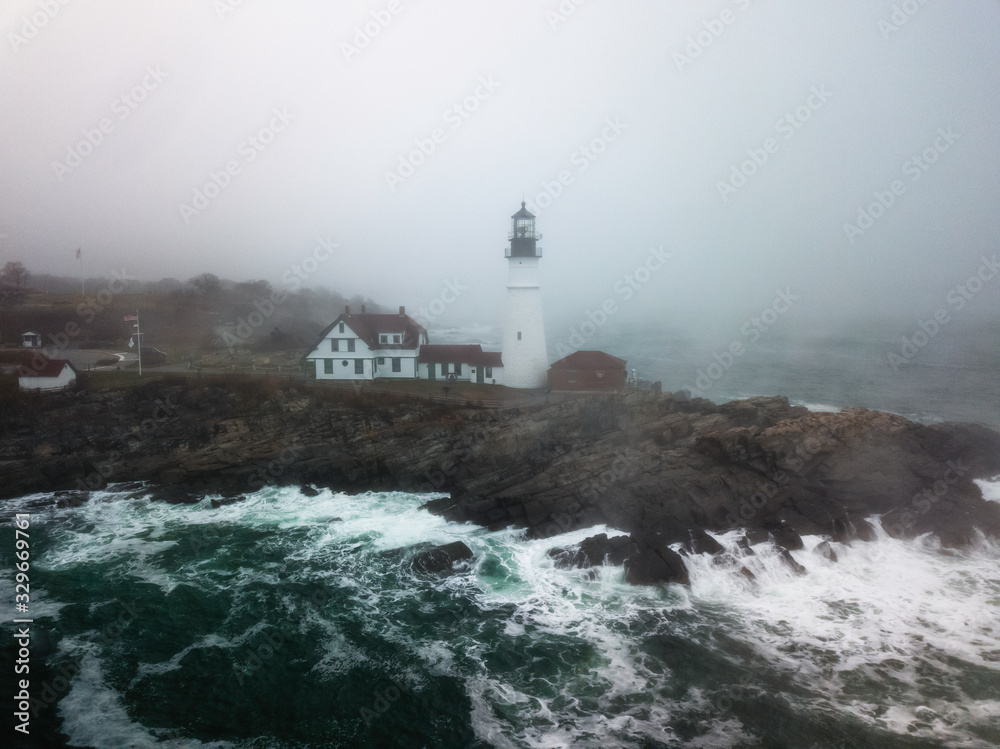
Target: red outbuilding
<point x="588" y="370"/>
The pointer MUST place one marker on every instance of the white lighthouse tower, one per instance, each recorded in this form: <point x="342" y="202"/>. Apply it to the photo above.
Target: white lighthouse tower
<point x="525" y="358"/>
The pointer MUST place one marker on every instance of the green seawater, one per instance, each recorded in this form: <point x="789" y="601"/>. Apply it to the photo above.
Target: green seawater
<point x="287" y="621"/>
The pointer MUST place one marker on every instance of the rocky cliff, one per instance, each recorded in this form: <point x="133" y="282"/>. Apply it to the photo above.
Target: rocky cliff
<point x="659" y="468"/>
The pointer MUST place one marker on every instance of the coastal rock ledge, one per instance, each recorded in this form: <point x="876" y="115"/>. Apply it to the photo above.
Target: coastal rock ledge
<point x="659" y="468"/>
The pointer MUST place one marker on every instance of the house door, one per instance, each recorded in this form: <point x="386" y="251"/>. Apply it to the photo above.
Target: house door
<point x="480" y="375"/>
<point x="430" y="371"/>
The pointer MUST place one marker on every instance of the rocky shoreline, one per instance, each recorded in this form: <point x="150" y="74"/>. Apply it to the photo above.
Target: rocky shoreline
<point x="661" y="469"/>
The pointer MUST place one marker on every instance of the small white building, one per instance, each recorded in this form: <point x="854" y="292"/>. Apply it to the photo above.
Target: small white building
<point x="366" y="346"/>
<point x="31" y="340"/>
<point x="54" y="374"/>
<point x="460" y="362"/>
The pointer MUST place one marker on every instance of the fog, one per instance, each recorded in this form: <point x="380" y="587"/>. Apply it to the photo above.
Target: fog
<point x="845" y="153"/>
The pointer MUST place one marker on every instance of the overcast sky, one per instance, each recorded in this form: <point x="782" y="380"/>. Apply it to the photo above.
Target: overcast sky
<point x="645" y="109"/>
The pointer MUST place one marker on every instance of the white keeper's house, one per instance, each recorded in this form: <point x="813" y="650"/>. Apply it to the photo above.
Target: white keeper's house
<point x="367" y="346"/>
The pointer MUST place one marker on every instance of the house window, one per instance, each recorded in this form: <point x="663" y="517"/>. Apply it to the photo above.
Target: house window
<point x="489" y="371"/>
<point x="519" y="335"/>
<point x="397" y="339"/>
<point x="334" y="344"/>
<point x="350" y="344"/>
<point x="397" y="364"/>
<point x="359" y="366"/>
<point x="381" y="360"/>
<point x="328" y="366"/>
<point x="383" y="338"/>
<point x="571" y="375"/>
<point x="444" y="369"/>
<point x="341" y="327"/>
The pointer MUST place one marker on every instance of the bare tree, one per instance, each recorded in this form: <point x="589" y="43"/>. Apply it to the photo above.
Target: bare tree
<point x="206" y="283"/>
<point x="15" y="273"/>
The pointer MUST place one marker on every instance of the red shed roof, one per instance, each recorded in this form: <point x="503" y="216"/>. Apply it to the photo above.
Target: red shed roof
<point x="465" y="353"/>
<point x="590" y="360"/>
<point x="51" y="368"/>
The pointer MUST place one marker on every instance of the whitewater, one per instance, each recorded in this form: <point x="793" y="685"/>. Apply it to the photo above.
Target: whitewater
<point x="286" y="620"/>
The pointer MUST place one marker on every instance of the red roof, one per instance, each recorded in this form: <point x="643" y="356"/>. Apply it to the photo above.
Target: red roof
<point x="466" y="353"/>
<point x="51" y="368"/>
<point x="368" y="327"/>
<point x="590" y="360"/>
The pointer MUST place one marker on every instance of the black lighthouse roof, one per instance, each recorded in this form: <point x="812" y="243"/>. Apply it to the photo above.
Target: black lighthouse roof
<point x="524" y="212"/>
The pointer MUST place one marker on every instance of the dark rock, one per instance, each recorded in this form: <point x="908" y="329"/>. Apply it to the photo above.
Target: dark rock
<point x="594" y="551"/>
<point x="70" y="499"/>
<point x="440" y="559"/>
<point x="308" y="491"/>
<point x="640" y="461"/>
<point x="217" y="503"/>
<point x="786" y="537"/>
<point x="787" y="558"/>
<point x="654" y="564"/>
<point x="699" y="542"/>
<point x="748" y="574"/>
<point x="756" y="536"/>
<point x="744" y="544"/>
<point x="826" y="551"/>
<point x="863" y="530"/>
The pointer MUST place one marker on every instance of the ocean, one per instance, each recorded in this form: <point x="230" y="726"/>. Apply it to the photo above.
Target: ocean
<point x="290" y="621"/>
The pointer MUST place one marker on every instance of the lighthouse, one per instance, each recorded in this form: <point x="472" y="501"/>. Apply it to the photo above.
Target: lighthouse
<point x="525" y="358"/>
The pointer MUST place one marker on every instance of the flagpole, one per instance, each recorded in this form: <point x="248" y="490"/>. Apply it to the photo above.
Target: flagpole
<point x="138" y="334"/>
<point x="83" y="283"/>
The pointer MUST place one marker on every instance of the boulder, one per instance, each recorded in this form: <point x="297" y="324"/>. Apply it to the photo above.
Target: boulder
<point x="786" y="537"/>
<point x="788" y="559"/>
<point x="217" y="503"/>
<point x="441" y="559"/>
<point x="655" y="563"/>
<point x="699" y="542"/>
<point x="594" y="551"/>
<point x="826" y="551"/>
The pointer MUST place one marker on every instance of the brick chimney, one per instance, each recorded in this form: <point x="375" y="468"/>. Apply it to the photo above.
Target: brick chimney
<point x="347" y="310"/>
<point x="362" y="309"/>
<point x="402" y="310"/>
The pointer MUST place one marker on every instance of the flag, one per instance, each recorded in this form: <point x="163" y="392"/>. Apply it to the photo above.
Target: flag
<point x="131" y="342"/>
<point x="77" y="253"/>
<point x="131" y="318"/>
